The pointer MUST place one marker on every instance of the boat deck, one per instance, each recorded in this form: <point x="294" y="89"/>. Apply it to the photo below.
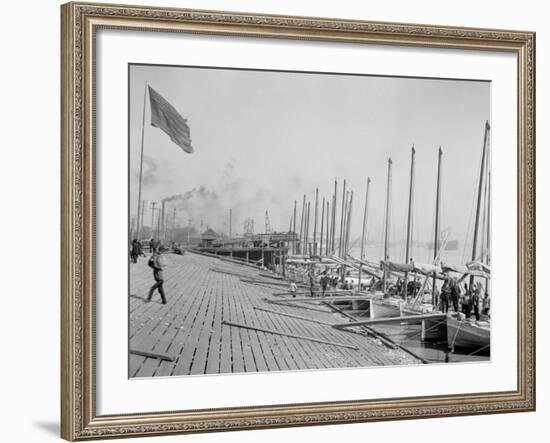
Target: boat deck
<point x="205" y="294"/>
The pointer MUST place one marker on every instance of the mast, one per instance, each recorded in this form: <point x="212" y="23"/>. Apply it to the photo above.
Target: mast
<point x="315" y="221"/>
<point x="348" y="223"/>
<point x="387" y="226"/>
<point x="141" y="160"/>
<point x="488" y="207"/>
<point x="328" y="232"/>
<point x="409" y="218"/>
<point x="306" y="243"/>
<point x="294" y="229"/>
<point x="364" y="230"/>
<point x="479" y="194"/>
<point x="342" y="220"/>
<point x="437" y="212"/>
<point x="322" y="228"/>
<point x="333" y="222"/>
<point x="302" y="224"/>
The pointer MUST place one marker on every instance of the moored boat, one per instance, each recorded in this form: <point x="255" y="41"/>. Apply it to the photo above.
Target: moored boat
<point x="475" y="336"/>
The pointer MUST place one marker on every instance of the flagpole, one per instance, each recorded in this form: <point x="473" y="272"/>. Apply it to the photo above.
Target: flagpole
<point x="141" y="160"/>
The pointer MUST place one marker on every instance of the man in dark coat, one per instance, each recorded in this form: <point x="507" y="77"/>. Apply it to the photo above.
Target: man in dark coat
<point x="158" y="276"/>
<point x="455" y="294"/>
<point x="445" y="296"/>
<point x="136" y="250"/>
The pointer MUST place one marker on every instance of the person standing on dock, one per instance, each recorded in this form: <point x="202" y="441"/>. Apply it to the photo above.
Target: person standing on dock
<point x="476" y="300"/>
<point x="293" y="288"/>
<point x="156" y="263"/>
<point x="311" y="275"/>
<point x="324" y="283"/>
<point x="467" y="302"/>
<point x="486" y="304"/>
<point x="136" y="250"/>
<point x="445" y="297"/>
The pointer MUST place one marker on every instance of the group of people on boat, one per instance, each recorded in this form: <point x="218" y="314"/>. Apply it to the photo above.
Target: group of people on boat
<point x="471" y="299"/>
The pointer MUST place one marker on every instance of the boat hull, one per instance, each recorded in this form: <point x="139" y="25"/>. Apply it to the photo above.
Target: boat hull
<point x="432" y="329"/>
<point x="468" y="335"/>
<point x="384" y="308"/>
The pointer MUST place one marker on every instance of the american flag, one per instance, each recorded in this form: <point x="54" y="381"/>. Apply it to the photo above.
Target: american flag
<point x="164" y="116"/>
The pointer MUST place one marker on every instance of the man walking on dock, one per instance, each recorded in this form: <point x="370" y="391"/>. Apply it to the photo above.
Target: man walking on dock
<point x="156" y="264"/>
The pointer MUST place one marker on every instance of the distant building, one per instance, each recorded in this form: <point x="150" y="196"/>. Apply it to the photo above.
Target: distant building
<point x="208" y="237"/>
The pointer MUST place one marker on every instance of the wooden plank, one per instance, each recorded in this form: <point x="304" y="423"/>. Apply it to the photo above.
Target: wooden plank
<point x="320" y="299"/>
<point x="151" y="354"/>
<point x="299" y="317"/>
<point x="402" y="319"/>
<point x="237" y="325"/>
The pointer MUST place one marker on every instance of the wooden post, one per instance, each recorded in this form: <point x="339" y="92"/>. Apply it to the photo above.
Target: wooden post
<point x="364" y="230"/>
<point x="409" y="224"/>
<point x="387" y="226"/>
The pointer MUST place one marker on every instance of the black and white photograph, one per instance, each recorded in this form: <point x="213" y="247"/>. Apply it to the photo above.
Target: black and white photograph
<point x="299" y="221"/>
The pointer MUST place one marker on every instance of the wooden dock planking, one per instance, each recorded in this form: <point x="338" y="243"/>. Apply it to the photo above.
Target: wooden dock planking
<point x="246" y="315"/>
<point x="198" y="365"/>
<point x="275" y="344"/>
<point x="193" y="326"/>
<point x="214" y="347"/>
<point x="162" y="338"/>
<point x="205" y="298"/>
<point x="165" y="341"/>
<point x="177" y="334"/>
<point x="290" y="350"/>
<point x="237" y="336"/>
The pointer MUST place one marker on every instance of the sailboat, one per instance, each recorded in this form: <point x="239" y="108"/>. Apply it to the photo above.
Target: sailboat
<point x="464" y="332"/>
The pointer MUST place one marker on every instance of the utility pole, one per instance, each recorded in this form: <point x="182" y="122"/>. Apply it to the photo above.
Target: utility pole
<point x="230" y="222"/>
<point x="153" y="209"/>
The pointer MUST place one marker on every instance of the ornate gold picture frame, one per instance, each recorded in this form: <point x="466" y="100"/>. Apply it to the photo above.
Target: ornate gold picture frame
<point x="80" y="23"/>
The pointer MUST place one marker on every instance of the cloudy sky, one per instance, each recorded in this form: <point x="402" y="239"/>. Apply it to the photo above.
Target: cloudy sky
<point x="264" y="139"/>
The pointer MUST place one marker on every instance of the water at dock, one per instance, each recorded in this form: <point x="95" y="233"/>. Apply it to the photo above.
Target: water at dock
<point x="409" y="336"/>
